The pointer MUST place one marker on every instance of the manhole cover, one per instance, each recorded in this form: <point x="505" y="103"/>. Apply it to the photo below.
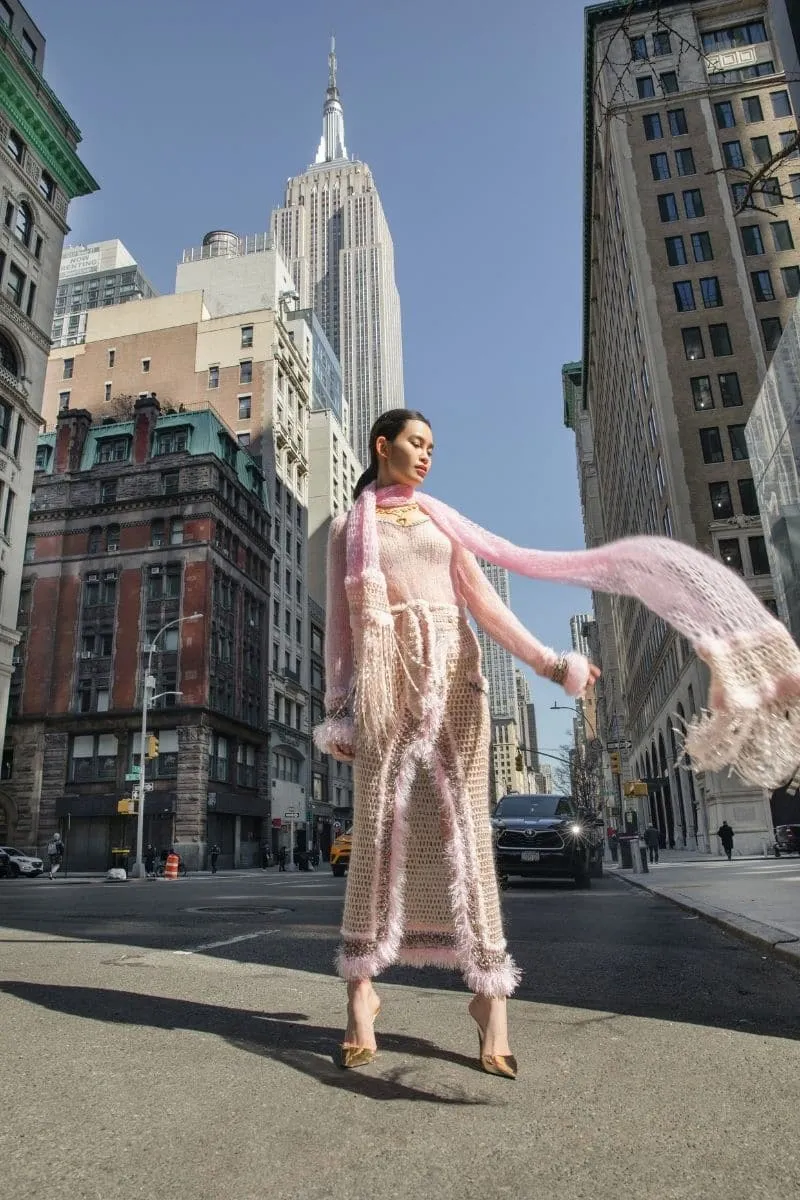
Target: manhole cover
<point x="238" y="910"/>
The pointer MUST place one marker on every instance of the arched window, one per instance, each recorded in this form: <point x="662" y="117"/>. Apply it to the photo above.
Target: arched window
<point x="112" y="537"/>
<point x="157" y="532"/>
<point x="24" y="224"/>
<point x="95" y="540"/>
<point x="8" y="356"/>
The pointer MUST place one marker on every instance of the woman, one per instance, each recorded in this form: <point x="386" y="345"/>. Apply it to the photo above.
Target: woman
<point x="406" y="703"/>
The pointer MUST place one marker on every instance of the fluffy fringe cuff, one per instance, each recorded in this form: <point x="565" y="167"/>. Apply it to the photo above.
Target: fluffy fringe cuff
<point x="577" y="675"/>
<point x="334" y="731"/>
<point x="495" y="982"/>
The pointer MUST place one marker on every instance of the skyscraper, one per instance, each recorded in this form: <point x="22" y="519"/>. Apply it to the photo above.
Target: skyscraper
<point x="498" y="663"/>
<point x="333" y="235"/>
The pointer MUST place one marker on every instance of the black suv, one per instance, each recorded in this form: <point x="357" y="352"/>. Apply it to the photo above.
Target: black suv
<point x="787" y="839"/>
<point x="540" y="836"/>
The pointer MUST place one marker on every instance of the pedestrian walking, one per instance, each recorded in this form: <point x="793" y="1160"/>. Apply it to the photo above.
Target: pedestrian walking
<point x="150" y="861"/>
<point x="214" y="853"/>
<point x="613" y="842"/>
<point x="282" y="856"/>
<point x="406" y="702"/>
<point x="266" y="856"/>
<point x="726" y="835"/>
<point x="651" y="840"/>
<point x="55" y="854"/>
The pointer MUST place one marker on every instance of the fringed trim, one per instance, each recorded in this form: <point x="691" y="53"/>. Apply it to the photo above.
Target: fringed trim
<point x="332" y="732"/>
<point x="495" y="982"/>
<point x="752" y="725"/>
<point x="363" y="966"/>
<point x="429" y="956"/>
<point x="376" y="701"/>
<point x="577" y="676"/>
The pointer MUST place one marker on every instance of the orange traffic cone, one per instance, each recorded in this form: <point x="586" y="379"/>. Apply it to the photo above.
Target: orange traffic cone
<point x="171" y="867"/>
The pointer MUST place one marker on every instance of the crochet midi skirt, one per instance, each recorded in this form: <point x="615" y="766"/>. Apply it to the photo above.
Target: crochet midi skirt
<point x="422" y="887"/>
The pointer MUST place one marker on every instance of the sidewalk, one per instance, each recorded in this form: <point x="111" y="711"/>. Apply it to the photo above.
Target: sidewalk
<point x="753" y="897"/>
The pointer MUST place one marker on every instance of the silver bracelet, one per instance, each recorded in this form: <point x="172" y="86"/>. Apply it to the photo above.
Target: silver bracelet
<point x="559" y="671"/>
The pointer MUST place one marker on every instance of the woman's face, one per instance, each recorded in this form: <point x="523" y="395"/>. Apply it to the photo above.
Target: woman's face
<point x="407" y="459"/>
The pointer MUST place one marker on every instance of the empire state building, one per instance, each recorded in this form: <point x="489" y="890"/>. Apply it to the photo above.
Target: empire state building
<point x="332" y="234"/>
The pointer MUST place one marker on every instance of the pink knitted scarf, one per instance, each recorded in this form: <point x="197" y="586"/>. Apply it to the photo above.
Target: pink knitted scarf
<point x="752" y="724"/>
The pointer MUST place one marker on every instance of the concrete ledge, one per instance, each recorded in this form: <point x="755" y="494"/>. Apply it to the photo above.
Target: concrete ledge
<point x="780" y="942"/>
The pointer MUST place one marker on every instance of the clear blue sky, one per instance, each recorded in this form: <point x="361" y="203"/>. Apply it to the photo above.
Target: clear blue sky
<point x="195" y="113"/>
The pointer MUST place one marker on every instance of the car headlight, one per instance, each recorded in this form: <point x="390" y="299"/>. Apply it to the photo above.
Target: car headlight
<point x="576" y="829"/>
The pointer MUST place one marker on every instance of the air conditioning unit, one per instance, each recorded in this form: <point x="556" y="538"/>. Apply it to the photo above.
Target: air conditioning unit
<point x="87" y="654"/>
<point x="94" y="578"/>
<point x="155" y="570"/>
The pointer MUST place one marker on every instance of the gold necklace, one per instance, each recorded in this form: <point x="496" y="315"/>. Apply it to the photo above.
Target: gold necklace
<point x="401" y="514"/>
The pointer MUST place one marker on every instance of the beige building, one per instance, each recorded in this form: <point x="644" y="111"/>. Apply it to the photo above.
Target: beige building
<point x="254" y="371"/>
<point x="40" y="173"/>
<point x="685" y="300"/>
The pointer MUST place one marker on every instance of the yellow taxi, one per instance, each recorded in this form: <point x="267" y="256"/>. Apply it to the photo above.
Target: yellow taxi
<point x="340" y="853"/>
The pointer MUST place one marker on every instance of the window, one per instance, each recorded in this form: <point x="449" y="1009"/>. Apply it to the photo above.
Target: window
<point x="676" y="251"/>
<point x="9" y="512"/>
<point x="791" y="280"/>
<point x="781" y="106"/>
<point x="638" y="48"/>
<point x="42" y="457"/>
<point x="6" y="17"/>
<point x="145" y="365"/>
<point x="701" y="247"/>
<point x="108" y="491"/>
<point x="762" y="285"/>
<point x="677" y="122"/>
<point x="738" y="443"/>
<point x="724" y="114"/>
<point x="748" y="498"/>
<point x="171" y="441"/>
<point x="247" y="335"/>
<point x="771" y="191"/>
<point x="170" y="482"/>
<point x="711" y="292"/>
<point x="720" y="340"/>
<point x="29" y="46"/>
<point x="645" y="87"/>
<point x="789" y="141"/>
<point x="693" y="203"/>
<point x="112" y="450"/>
<point x="721" y="504"/>
<point x="752" y="241"/>
<point x="684" y="162"/>
<point x="47" y="187"/>
<point x="93" y="756"/>
<point x="244" y="408"/>
<point x="751" y="107"/>
<point x="176" y="532"/>
<point x="23" y="227"/>
<point x="246" y="371"/>
<point x="164" y="583"/>
<point x="69" y="366"/>
<point x="735" y="35"/>
<point x="157" y="532"/>
<point x="213" y="377"/>
<point x="701" y="392"/>
<point x="684" y="296"/>
<point x="730" y="390"/>
<point x="660" y="475"/>
<point x="741" y="196"/>
<point x="243" y="439"/>
<point x="15" y="284"/>
<point x="15" y="147"/>
<point x="667" y="207"/>
<point x="711" y="445"/>
<point x="669" y="82"/>
<point x="732" y="153"/>
<point x="693" y="343"/>
<point x="95" y="541"/>
<point x="659" y="166"/>
<point x="112" y="537"/>
<point x="112" y="357"/>
<point x="652" y="127"/>
<point x="63" y="400"/>
<point x="762" y="151"/>
<point x="758" y="555"/>
<point x="731" y="554"/>
<point x="661" y="43"/>
<point x="218" y="757"/>
<point x="771" y="330"/>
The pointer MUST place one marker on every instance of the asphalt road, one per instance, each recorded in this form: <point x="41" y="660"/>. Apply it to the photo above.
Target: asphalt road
<point x="178" y="1038"/>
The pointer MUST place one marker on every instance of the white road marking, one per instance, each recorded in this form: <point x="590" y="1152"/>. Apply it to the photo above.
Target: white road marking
<point x="242" y="937"/>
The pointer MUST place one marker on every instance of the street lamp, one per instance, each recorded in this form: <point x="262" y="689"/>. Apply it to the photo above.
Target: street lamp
<point x="147" y="699"/>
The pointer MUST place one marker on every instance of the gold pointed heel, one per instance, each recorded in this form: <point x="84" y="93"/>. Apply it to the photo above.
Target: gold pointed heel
<point x="351" y="1057"/>
<point x="504" y="1065"/>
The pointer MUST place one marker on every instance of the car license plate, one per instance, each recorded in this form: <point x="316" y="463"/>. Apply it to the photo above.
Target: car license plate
<point x="530" y="855"/>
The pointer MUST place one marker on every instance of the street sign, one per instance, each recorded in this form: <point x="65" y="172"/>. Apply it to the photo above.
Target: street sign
<point x="148" y="787"/>
<point x="132" y="776"/>
<point x="291" y="814"/>
<point x="618" y="746"/>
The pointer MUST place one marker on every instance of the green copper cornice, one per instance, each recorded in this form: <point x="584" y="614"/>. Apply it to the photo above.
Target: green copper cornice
<point x="29" y="115"/>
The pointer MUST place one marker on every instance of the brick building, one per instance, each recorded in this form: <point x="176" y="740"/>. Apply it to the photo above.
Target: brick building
<point x="135" y="524"/>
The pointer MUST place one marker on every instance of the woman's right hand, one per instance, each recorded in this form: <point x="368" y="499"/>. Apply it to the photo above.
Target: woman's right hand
<point x="343" y="753"/>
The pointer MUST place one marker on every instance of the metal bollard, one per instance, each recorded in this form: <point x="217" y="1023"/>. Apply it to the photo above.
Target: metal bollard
<point x="643" y="854"/>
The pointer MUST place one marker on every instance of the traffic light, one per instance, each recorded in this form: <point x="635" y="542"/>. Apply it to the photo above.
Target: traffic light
<point x="518" y="760"/>
<point x="152" y="746"/>
<point x="616" y="764"/>
<point x="126" y="807"/>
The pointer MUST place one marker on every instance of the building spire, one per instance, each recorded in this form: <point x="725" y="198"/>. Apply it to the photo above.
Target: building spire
<point x="332" y="145"/>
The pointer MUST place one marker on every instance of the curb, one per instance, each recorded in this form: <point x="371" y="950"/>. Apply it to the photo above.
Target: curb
<point x="779" y="942"/>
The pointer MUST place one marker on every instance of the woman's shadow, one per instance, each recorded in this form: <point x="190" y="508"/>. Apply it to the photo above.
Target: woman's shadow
<point x="282" y="1036"/>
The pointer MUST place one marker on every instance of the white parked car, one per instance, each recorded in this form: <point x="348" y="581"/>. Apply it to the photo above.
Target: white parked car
<point x="23" y="864"/>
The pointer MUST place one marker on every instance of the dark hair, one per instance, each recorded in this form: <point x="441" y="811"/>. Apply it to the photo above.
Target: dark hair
<point x="388" y="425"/>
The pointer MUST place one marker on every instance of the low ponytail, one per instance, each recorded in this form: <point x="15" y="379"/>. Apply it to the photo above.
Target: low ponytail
<point x="388" y="425"/>
<point x="369" y="476"/>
